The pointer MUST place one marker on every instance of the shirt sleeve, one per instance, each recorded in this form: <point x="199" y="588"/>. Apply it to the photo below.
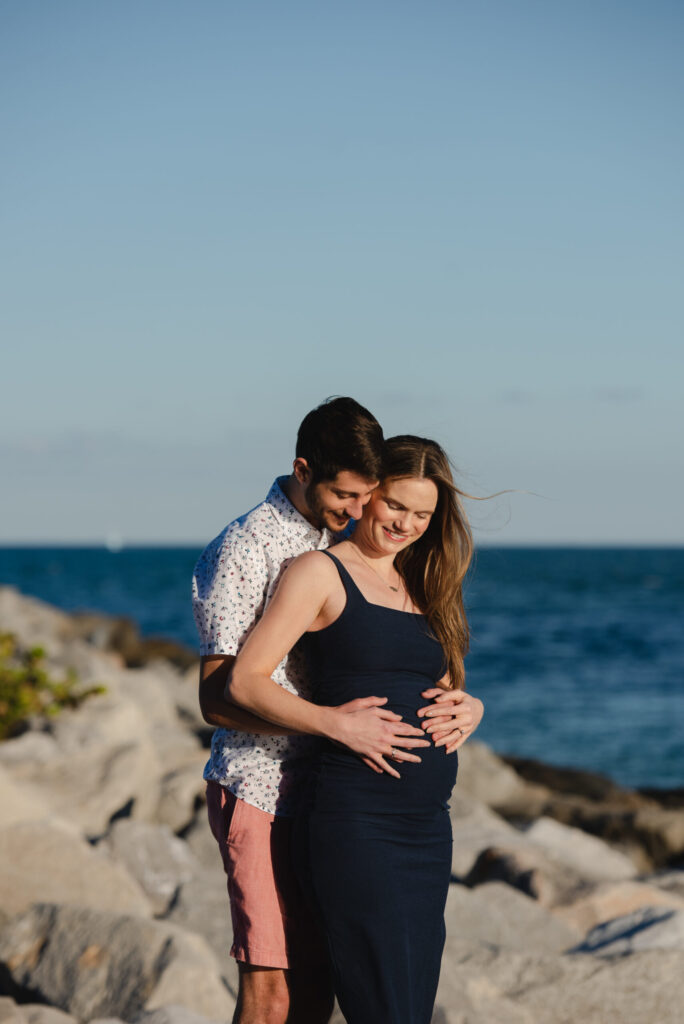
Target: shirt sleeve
<point x="228" y="592"/>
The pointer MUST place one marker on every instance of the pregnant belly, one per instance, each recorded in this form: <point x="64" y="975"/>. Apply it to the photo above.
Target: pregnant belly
<point x="345" y="783"/>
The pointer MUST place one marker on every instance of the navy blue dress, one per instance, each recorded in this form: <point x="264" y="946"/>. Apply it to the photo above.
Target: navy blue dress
<point x="375" y="851"/>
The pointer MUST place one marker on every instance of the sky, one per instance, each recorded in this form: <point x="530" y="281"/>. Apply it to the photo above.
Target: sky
<point x="467" y="215"/>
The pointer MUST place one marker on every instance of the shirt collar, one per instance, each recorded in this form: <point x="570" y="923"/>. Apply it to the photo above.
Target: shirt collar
<point x="292" y="520"/>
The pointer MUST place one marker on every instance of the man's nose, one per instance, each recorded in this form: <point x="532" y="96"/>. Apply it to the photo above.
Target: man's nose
<point x="354" y="508"/>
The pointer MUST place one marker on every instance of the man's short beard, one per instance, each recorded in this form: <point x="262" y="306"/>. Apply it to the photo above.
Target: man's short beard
<point x="317" y="509"/>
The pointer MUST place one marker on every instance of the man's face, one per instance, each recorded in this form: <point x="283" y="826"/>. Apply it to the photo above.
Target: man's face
<point x="333" y="503"/>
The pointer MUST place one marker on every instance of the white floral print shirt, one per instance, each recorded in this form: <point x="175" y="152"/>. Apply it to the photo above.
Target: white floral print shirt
<point x="234" y="580"/>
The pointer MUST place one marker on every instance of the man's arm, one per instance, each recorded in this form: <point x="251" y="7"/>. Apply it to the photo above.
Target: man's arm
<point x="215" y="670"/>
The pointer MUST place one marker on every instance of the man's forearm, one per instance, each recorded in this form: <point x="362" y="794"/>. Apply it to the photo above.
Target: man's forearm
<point x="219" y="712"/>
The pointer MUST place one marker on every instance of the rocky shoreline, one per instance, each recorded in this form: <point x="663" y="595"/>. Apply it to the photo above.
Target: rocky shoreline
<point x="567" y="895"/>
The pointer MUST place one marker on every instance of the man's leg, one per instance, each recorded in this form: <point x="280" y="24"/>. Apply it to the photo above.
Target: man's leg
<point x="269" y="995"/>
<point x="271" y="921"/>
<point x="263" y="997"/>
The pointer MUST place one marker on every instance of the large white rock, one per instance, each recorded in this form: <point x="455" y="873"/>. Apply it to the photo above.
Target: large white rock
<point x="45" y="862"/>
<point x="648" y="928"/>
<point x="483" y="775"/>
<point x="609" y="900"/>
<point x="99" y="964"/>
<point x="475" y="827"/>
<point x="585" y="854"/>
<point x="496" y="914"/>
<point x="20" y="801"/>
<point x="158" y="860"/>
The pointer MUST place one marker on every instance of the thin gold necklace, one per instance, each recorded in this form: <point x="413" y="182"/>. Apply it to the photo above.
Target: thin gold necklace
<point x="373" y="569"/>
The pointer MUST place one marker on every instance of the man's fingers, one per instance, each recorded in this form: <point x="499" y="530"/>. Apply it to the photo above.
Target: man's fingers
<point x="369" y="702"/>
<point x="405" y="729"/>
<point x="408" y="743"/>
<point x="387" y="715"/>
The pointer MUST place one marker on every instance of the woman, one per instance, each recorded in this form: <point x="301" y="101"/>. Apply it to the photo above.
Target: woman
<point x="384" y="612"/>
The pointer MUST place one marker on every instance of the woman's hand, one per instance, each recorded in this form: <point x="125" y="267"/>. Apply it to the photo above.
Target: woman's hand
<point x="375" y="733"/>
<point x="452" y="718"/>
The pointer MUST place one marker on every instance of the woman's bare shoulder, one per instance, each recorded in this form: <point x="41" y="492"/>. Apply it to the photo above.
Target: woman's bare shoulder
<point x="314" y="566"/>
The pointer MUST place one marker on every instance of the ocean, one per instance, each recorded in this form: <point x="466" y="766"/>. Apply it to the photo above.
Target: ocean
<point x="577" y="653"/>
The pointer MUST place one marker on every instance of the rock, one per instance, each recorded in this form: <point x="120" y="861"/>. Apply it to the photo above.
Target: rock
<point x="576" y="782"/>
<point x="199" y="838"/>
<point x="171" y="1015"/>
<point x="182" y="792"/>
<point x="644" y="929"/>
<point x="609" y="900"/>
<point x="499" y="915"/>
<point x="485" y="776"/>
<point x="587" y="856"/>
<point x="669" y="881"/>
<point x="10" y="1013"/>
<point x="475" y="827"/>
<point x="528" y="869"/>
<point x="158" y="861"/>
<point x="37" y="1013"/>
<point x="101" y="763"/>
<point x="19" y="801"/>
<point x="202" y="906"/>
<point x="645" y="988"/>
<point x="94" y="963"/>
<point x="120" y="634"/>
<point x="46" y="861"/>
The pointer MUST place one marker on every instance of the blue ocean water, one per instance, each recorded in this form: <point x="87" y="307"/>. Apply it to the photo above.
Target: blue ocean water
<point x="578" y="653"/>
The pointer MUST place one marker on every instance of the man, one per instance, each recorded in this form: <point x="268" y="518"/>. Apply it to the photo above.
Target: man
<point x="256" y="770"/>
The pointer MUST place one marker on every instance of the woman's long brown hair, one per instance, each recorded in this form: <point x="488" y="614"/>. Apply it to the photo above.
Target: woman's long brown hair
<point x="434" y="566"/>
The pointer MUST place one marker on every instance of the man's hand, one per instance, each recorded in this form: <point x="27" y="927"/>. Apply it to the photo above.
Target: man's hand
<point x="452" y="718"/>
<point x="376" y="733"/>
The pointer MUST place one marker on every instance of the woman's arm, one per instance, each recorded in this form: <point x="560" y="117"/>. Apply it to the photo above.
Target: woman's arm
<point x="301" y="601"/>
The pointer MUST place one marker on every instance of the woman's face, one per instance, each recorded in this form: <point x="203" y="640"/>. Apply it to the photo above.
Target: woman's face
<point x="399" y="512"/>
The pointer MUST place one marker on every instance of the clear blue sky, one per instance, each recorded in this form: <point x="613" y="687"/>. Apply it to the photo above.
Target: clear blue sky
<point x="468" y="215"/>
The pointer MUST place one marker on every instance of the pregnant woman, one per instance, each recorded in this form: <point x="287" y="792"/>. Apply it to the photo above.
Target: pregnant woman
<point x="382" y="614"/>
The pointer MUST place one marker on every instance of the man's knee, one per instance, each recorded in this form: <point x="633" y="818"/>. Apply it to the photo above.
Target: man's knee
<point x="263" y="996"/>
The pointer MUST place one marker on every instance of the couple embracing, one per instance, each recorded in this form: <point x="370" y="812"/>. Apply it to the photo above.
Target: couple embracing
<point x="332" y="636"/>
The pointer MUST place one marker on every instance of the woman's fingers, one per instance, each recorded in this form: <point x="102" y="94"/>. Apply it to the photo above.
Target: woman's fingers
<point x="385" y="767"/>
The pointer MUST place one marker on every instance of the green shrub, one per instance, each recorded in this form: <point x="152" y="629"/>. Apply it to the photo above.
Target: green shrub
<point x="26" y="689"/>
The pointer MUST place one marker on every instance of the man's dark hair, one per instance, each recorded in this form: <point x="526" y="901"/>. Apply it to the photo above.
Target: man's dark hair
<point x="341" y="435"/>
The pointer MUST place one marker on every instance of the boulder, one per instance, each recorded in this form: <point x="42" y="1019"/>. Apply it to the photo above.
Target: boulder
<point x="585" y="855"/>
<point x="98" y="964"/>
<point x="19" y="801"/>
<point x="99" y="763"/>
<point x="498" y="915"/>
<point x="181" y="792"/>
<point x="648" y="928"/>
<point x="10" y="1013"/>
<point x="520" y="986"/>
<point x="668" y="881"/>
<point x="486" y="777"/>
<point x="158" y="860"/>
<point x="528" y="869"/>
<point x="475" y="827"/>
<point x="171" y="1015"/>
<point x="48" y="862"/>
<point x="609" y="900"/>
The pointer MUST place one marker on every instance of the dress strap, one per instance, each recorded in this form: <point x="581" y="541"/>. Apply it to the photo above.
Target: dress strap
<point x="350" y="587"/>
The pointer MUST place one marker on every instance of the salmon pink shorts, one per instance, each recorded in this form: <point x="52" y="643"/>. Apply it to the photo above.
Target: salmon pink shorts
<point x="272" y="923"/>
